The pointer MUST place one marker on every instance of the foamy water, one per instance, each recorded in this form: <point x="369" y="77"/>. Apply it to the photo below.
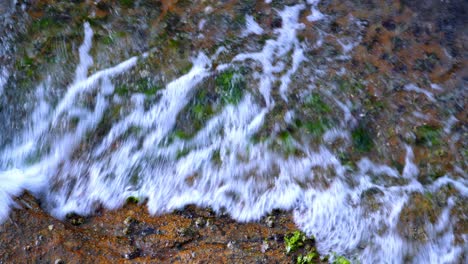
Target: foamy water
<point x="221" y="167"/>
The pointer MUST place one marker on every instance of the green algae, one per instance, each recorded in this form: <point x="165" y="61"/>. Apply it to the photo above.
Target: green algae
<point x="132" y="200"/>
<point x="144" y="86"/>
<point x="341" y="260"/>
<point x="315" y="102"/>
<point x="127" y="3"/>
<point x="318" y="127"/>
<point x="296" y="240"/>
<point x="230" y="84"/>
<point x="310" y="258"/>
<point x="362" y="140"/>
<point x="428" y="135"/>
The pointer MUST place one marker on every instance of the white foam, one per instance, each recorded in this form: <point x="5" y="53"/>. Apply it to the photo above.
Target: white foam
<point x="315" y="15"/>
<point x="251" y="27"/>
<point x="4" y="74"/>
<point x="352" y="212"/>
<point x="413" y="88"/>
<point x="271" y="54"/>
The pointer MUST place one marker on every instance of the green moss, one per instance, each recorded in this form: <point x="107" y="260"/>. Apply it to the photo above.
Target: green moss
<point x="428" y="135"/>
<point x="201" y="112"/>
<point x="107" y="40"/>
<point x="341" y="260"/>
<point x="317" y="127"/>
<point x="315" y="102"/>
<point x="182" y="153"/>
<point x="216" y="157"/>
<point x="362" y="140"/>
<point x="310" y="258"/>
<point x="186" y="68"/>
<point x="346" y="160"/>
<point x="42" y="24"/>
<point x="258" y="138"/>
<point x="144" y="86"/>
<point x="295" y="241"/>
<point x="126" y="3"/>
<point x="436" y="173"/>
<point x="121" y="90"/>
<point x="33" y="157"/>
<point x="133" y="199"/>
<point x="287" y="142"/>
<point x="351" y="85"/>
<point x="27" y="66"/>
<point x="198" y="111"/>
<point x="230" y="85"/>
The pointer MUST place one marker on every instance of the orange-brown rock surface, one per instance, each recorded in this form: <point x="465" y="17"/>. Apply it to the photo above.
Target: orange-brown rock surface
<point x="131" y="235"/>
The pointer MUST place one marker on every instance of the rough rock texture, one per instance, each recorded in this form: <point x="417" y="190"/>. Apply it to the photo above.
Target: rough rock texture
<point x="131" y="235"/>
<point x="402" y="42"/>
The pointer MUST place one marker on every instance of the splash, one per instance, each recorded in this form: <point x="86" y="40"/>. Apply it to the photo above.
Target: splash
<point x="142" y="152"/>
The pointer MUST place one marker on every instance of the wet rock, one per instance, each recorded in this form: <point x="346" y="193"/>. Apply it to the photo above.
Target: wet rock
<point x="416" y="216"/>
<point x="187" y="232"/>
<point x="131" y="255"/>
<point x="265" y="246"/>
<point x="129" y="220"/>
<point x="165" y="239"/>
<point x="371" y="198"/>
<point x="270" y="221"/>
<point x="75" y="219"/>
<point x="200" y="222"/>
<point x="231" y="244"/>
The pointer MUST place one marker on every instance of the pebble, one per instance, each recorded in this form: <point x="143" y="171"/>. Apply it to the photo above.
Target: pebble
<point x="230" y="245"/>
<point x="129" y="220"/>
<point x="200" y="222"/>
<point x="264" y="246"/>
<point x="270" y="221"/>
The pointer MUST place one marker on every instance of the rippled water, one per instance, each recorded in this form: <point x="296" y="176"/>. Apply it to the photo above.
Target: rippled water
<point x="229" y="134"/>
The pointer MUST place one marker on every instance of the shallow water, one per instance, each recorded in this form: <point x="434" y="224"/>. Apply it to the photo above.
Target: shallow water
<point x="246" y="129"/>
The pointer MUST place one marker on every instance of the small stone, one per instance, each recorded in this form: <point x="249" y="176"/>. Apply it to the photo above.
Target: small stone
<point x="186" y="232"/>
<point x="231" y="244"/>
<point x="129" y="220"/>
<point x="134" y="254"/>
<point x="200" y="222"/>
<point x="264" y="246"/>
<point x="77" y="221"/>
<point x="270" y="221"/>
<point x="59" y="261"/>
<point x="208" y="10"/>
<point x="50" y="227"/>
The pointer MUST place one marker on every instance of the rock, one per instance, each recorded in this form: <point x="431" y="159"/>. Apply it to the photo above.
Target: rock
<point x="200" y="222"/>
<point x="164" y="239"/>
<point x="264" y="246"/>
<point x="270" y="221"/>
<point x="231" y="244"/>
<point x="129" y="220"/>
